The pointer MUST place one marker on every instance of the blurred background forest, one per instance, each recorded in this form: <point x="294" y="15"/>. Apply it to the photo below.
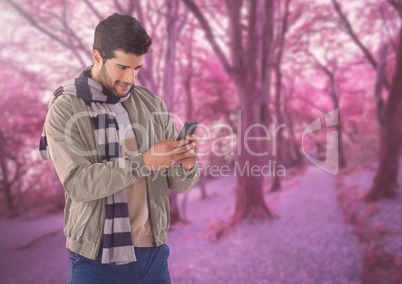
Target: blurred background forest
<point x="272" y="62"/>
<point x="289" y="61"/>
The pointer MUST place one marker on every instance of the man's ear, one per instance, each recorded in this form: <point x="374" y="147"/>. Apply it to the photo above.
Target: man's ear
<point x="97" y="58"/>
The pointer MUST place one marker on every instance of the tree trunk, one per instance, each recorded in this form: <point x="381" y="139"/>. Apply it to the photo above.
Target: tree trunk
<point x="386" y="180"/>
<point x="173" y="30"/>
<point x="6" y="187"/>
<point x="9" y="200"/>
<point x="295" y="155"/>
<point x="333" y="93"/>
<point x="174" y="208"/>
<point x="276" y="184"/>
<point x="341" y="154"/>
<point x="168" y="91"/>
<point x="338" y="126"/>
<point x="184" y="218"/>
<point x="147" y="77"/>
<point x="170" y="55"/>
<point x="249" y="47"/>
<point x="188" y="80"/>
<point x="348" y="28"/>
<point x="379" y="101"/>
<point x="250" y="202"/>
<point x="203" y="189"/>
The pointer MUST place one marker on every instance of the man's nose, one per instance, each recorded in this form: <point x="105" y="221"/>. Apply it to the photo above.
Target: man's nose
<point x="129" y="76"/>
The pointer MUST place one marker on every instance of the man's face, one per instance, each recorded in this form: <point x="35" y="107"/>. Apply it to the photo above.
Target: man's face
<point x="118" y="74"/>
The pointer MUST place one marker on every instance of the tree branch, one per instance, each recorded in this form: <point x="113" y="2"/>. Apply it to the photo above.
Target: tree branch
<point x="94" y="10"/>
<point x="397" y="4"/>
<point x="35" y="24"/>
<point x="356" y="40"/>
<point x="252" y="44"/>
<point x="131" y="7"/>
<point x="119" y="8"/>
<point x="233" y="8"/>
<point x="309" y="103"/>
<point x="267" y="46"/>
<point x="387" y="28"/>
<point x="209" y="35"/>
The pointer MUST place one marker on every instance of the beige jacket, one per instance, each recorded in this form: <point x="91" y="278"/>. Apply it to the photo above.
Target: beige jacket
<point x="87" y="181"/>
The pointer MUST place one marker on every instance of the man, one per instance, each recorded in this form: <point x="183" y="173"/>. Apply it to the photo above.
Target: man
<point x="112" y="145"/>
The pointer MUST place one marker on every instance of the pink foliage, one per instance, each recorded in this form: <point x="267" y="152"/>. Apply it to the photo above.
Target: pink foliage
<point x="22" y="117"/>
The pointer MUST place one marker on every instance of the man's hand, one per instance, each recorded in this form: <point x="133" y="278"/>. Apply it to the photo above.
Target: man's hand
<point x="164" y="154"/>
<point x="190" y="156"/>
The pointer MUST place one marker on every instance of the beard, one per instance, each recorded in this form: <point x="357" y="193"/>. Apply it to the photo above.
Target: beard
<point x="111" y="85"/>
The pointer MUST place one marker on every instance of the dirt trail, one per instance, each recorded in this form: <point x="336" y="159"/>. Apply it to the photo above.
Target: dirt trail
<point x="310" y="243"/>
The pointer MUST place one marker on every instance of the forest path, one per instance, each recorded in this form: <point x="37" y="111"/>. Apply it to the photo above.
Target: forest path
<point x="309" y="243"/>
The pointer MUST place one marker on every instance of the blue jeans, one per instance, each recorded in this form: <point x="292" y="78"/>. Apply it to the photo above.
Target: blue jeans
<point x="151" y="267"/>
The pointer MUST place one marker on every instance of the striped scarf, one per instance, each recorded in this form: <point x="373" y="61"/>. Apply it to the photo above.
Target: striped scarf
<point x="117" y="244"/>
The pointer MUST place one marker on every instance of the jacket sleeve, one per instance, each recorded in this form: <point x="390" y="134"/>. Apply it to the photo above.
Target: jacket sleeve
<point x="73" y="151"/>
<point x="179" y="179"/>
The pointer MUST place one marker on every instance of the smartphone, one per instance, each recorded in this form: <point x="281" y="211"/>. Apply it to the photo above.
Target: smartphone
<point x="187" y="129"/>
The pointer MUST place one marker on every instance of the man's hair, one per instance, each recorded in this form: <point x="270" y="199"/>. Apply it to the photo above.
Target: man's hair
<point x="121" y="32"/>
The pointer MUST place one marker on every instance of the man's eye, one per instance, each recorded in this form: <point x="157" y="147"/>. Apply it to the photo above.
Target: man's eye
<point x="121" y="67"/>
